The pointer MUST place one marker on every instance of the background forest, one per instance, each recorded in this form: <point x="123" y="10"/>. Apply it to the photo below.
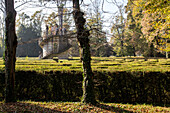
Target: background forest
<point x="139" y="28"/>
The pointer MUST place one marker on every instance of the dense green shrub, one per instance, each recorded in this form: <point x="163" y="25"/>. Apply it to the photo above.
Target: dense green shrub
<point x="124" y="87"/>
<point x="55" y="86"/>
<point x="137" y="87"/>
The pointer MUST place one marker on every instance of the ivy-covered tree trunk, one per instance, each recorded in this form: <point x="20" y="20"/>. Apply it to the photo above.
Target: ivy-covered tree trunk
<point x="83" y="38"/>
<point x="10" y="51"/>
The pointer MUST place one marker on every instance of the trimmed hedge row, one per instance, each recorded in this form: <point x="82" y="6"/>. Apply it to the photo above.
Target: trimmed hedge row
<point x="121" y="87"/>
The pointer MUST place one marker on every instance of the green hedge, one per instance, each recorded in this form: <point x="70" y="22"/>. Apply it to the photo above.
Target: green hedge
<point x="121" y="87"/>
<point x="137" y="87"/>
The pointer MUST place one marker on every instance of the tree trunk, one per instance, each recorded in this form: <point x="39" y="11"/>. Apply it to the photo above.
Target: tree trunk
<point x="166" y="48"/>
<point x="151" y="50"/>
<point x="82" y="36"/>
<point x="10" y="51"/>
<point x="134" y="54"/>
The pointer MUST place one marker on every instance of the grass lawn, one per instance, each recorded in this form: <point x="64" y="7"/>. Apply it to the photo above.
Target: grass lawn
<point x="30" y="106"/>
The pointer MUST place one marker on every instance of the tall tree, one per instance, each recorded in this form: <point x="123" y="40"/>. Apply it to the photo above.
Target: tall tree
<point x="10" y="51"/>
<point x="154" y="23"/>
<point x="1" y="37"/>
<point x="2" y="30"/>
<point x="118" y="28"/>
<point x="83" y="38"/>
<point x="29" y="30"/>
<point x="133" y="34"/>
<point x="98" y="41"/>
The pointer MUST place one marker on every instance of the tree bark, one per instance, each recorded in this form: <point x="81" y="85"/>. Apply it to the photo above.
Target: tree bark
<point x="134" y="54"/>
<point x="83" y="38"/>
<point x="10" y="51"/>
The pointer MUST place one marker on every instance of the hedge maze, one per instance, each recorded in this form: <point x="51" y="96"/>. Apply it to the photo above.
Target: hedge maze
<point x="116" y="80"/>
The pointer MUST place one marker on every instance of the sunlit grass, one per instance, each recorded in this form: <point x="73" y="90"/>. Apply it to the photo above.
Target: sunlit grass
<point x="32" y="106"/>
<point x="98" y="64"/>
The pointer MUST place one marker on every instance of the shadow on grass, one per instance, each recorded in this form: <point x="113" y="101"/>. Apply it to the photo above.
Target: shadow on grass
<point x="113" y="109"/>
<point x="161" y="105"/>
<point x="26" y="107"/>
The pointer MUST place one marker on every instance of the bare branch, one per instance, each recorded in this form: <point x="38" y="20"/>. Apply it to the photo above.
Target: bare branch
<point x="103" y="7"/>
<point x="2" y="10"/>
<point x="23" y="4"/>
